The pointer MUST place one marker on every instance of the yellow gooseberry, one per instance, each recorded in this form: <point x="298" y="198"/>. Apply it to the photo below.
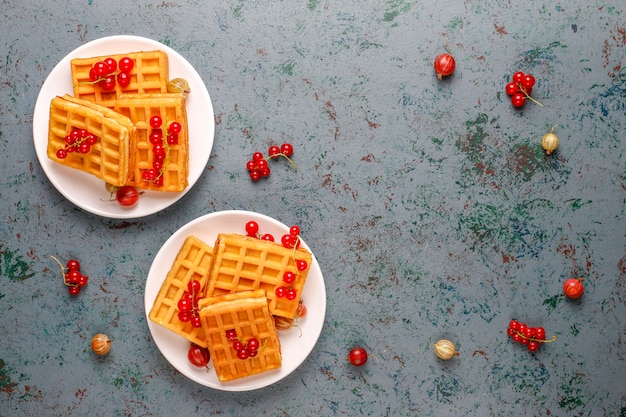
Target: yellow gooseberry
<point x="101" y="344"/>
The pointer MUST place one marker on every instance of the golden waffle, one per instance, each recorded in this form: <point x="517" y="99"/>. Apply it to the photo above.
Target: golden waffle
<point x="108" y="158"/>
<point x="150" y="74"/>
<point x="171" y="108"/>
<point x="192" y="262"/>
<point x="247" y="315"/>
<point x="246" y="263"/>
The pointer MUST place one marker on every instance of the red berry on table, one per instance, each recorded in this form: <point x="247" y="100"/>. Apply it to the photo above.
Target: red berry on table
<point x="73" y="265"/>
<point x="444" y="65"/>
<point x="533" y="345"/>
<point x="573" y="288"/>
<point x="357" y="356"/>
<point x="257" y="156"/>
<point x="273" y="151"/>
<point x="512" y="88"/>
<point x="255" y="175"/>
<point x="528" y="82"/>
<point x="286" y="149"/>
<point x="518" y="100"/>
<point x="518" y="77"/>
<point x="74" y="289"/>
<point x="198" y="356"/>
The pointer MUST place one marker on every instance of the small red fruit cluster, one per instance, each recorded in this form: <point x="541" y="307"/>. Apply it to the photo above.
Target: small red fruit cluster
<point x="532" y="337"/>
<point x="78" y="140"/>
<point x="244" y="350"/>
<point x="103" y="73"/>
<point x="188" y="304"/>
<point x="72" y="277"/>
<point x="520" y="89"/>
<point x="258" y="166"/>
<point x="160" y="148"/>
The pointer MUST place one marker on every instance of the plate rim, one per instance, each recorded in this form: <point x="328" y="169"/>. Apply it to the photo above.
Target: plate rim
<point x="41" y="117"/>
<point x="246" y="385"/>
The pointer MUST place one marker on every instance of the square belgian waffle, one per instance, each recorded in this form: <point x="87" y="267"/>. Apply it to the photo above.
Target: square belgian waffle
<point x="171" y="108"/>
<point x="239" y="317"/>
<point x="150" y="74"/>
<point x="192" y="262"/>
<point x="243" y="263"/>
<point x="109" y="158"/>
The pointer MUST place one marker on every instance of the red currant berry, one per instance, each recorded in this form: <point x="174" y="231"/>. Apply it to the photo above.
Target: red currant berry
<point x="540" y="333"/>
<point x="357" y="356"/>
<point x="289" y="277"/>
<point x="257" y="156"/>
<point x="194" y="286"/>
<point x="251" y="165"/>
<point x="238" y="345"/>
<point x="195" y="321"/>
<point x="255" y="175"/>
<point x="156" y="122"/>
<point x="280" y="292"/>
<point x="111" y="65"/>
<point x="93" y="76"/>
<point x="61" y="154"/>
<point x="243" y="354"/>
<point x="265" y="172"/>
<point x="528" y="81"/>
<point x="231" y="334"/>
<point x="123" y="79"/>
<point x="301" y="265"/>
<point x="82" y="281"/>
<point x="92" y="139"/>
<point x="175" y="128"/>
<point x="294" y="231"/>
<point x="156" y="137"/>
<point x="533" y="346"/>
<point x="184" y="316"/>
<point x="149" y="174"/>
<point x="73" y="264"/>
<point x="172" y="139"/>
<point x="252" y="228"/>
<point x="126" y="64"/>
<point x="253" y="344"/>
<point x="512" y="88"/>
<point x="267" y="237"/>
<point x="288" y="241"/>
<point x="510" y="332"/>
<point x="185" y="304"/>
<point x="286" y="149"/>
<point x="74" y="289"/>
<point x="108" y="83"/>
<point x="84" y="147"/>
<point x="273" y="151"/>
<point x="72" y="277"/>
<point x="291" y="294"/>
<point x="518" y="100"/>
<point x="518" y="77"/>
<point x="261" y="164"/>
<point x="100" y="68"/>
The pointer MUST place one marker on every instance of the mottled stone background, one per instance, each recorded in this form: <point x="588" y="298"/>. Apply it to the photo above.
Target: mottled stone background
<point x="429" y="204"/>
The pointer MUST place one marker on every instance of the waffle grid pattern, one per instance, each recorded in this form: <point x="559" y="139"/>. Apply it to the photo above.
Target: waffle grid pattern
<point x="150" y="74"/>
<point x="108" y="159"/>
<point x="247" y="313"/>
<point x="243" y="263"/>
<point x="192" y="262"/>
<point x="170" y="107"/>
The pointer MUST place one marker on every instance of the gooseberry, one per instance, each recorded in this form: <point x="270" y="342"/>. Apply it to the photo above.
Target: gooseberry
<point x="444" y="65"/>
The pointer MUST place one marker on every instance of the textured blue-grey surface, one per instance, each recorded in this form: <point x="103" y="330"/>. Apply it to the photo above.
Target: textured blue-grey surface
<point x="430" y="205"/>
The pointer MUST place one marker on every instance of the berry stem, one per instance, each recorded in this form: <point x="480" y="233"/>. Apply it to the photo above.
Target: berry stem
<point x="523" y="90"/>
<point x="293" y="164"/>
<point x="532" y="339"/>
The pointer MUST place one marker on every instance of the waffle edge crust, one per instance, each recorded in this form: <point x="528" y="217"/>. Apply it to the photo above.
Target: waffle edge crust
<point x="248" y="315"/>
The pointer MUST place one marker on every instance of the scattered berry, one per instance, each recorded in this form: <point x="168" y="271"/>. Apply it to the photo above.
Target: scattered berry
<point x="127" y="196"/>
<point x="258" y="166"/>
<point x="573" y="288"/>
<point x="445" y="349"/>
<point x="72" y="277"/>
<point x="444" y="65"/>
<point x="357" y="356"/>
<point x="550" y="141"/>
<point x="101" y="344"/>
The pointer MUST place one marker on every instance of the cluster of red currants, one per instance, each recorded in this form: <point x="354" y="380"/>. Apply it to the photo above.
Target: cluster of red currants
<point x="103" y="73"/>
<point x="258" y="166"/>
<point x="245" y="350"/>
<point x="532" y="337"/>
<point x="160" y="148"/>
<point x="188" y="304"/>
<point x="78" y="140"/>
<point x="520" y="89"/>
<point x="72" y="277"/>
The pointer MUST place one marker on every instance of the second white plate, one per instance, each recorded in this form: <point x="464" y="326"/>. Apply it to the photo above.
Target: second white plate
<point x="87" y="191"/>
<point x="296" y="345"/>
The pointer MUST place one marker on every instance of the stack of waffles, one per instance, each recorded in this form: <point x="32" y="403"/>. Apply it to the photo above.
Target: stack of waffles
<point x="238" y="299"/>
<point x="119" y="119"/>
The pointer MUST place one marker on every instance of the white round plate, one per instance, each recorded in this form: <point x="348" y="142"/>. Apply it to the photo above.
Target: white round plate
<point x="295" y="345"/>
<point x="85" y="190"/>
